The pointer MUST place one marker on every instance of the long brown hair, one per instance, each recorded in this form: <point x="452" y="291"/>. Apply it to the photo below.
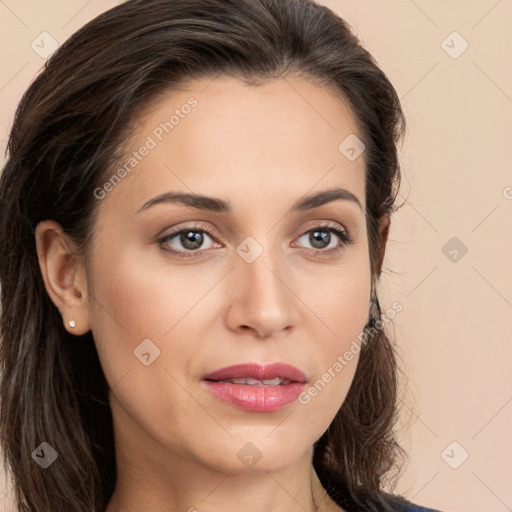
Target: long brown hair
<point x="67" y="132"/>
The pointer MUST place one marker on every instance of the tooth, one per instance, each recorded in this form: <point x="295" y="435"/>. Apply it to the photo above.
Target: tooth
<point x="272" y="382"/>
<point x="249" y="381"/>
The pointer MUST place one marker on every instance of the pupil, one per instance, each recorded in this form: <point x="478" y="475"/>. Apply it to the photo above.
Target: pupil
<point x="192" y="239"/>
<point x="320" y="237"/>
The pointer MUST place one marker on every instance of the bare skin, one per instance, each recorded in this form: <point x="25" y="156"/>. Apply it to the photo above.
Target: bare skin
<point x="261" y="149"/>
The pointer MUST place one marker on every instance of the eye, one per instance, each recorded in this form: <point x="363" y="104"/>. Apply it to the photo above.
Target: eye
<point x="320" y="237"/>
<point x="191" y="239"/>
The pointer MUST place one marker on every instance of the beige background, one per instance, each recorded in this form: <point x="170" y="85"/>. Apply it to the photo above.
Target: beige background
<point x="454" y="332"/>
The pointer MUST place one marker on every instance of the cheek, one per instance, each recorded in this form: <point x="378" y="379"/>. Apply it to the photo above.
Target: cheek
<point x="131" y="303"/>
<point x="342" y="305"/>
<point x="139" y="295"/>
<point x="348" y="310"/>
<point x="339" y="296"/>
<point x="135" y="306"/>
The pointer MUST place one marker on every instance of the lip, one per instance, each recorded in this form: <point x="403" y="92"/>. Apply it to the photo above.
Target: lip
<point x="257" y="398"/>
<point x="260" y="372"/>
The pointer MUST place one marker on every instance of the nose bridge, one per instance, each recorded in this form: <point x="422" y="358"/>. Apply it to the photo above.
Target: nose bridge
<point x="264" y="300"/>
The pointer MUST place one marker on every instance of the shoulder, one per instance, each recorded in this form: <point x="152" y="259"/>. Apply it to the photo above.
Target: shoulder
<point x="411" y="507"/>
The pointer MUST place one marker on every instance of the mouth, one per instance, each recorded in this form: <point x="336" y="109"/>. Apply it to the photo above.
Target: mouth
<point x="257" y="388"/>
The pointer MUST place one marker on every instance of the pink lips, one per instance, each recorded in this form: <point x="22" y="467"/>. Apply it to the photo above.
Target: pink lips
<point x="257" y="397"/>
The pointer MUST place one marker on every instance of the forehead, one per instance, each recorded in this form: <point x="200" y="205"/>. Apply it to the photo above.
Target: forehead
<point x="224" y="138"/>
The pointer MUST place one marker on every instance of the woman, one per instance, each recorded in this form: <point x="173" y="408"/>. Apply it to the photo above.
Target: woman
<point x="195" y="210"/>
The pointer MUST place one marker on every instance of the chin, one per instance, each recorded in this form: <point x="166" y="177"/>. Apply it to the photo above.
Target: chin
<point x="255" y="454"/>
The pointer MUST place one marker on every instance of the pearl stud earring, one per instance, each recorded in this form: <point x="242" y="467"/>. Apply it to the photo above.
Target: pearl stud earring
<point x="72" y="323"/>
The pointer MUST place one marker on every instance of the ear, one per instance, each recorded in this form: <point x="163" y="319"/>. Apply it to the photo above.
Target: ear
<point x="384" y="225"/>
<point x="63" y="274"/>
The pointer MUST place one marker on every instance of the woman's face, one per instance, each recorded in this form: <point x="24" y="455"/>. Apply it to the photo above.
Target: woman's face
<point x="251" y="284"/>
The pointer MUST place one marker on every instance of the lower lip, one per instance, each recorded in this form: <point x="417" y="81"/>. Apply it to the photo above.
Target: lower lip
<point x="256" y="398"/>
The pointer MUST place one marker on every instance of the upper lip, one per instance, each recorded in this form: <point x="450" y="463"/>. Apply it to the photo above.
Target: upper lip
<point x="259" y="372"/>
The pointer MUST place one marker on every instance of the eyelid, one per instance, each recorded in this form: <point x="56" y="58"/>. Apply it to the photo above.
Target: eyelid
<point x="317" y="224"/>
<point x="190" y="226"/>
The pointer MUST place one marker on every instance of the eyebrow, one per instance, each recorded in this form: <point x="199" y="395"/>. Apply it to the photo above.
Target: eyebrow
<point x="213" y="204"/>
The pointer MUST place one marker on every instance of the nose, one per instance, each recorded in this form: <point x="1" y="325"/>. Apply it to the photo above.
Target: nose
<point x="263" y="301"/>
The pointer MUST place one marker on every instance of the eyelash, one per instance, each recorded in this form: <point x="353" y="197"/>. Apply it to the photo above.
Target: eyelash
<point x="345" y="239"/>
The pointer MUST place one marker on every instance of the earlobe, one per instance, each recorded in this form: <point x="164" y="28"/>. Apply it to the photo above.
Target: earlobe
<point x="63" y="275"/>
